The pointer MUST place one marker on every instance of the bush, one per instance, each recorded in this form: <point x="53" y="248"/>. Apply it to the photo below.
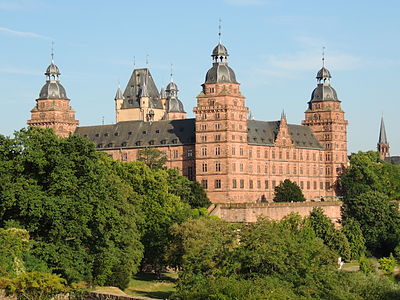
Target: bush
<point x="366" y="265"/>
<point x="35" y="286"/>
<point x="387" y="264"/>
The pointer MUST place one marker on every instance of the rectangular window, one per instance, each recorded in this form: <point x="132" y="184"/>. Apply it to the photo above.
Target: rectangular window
<point x="217" y="126"/>
<point x="301" y="155"/>
<point x="315" y="185"/>
<point x="250" y="168"/>
<point x="217" y="167"/>
<point x="204" y="151"/>
<point x="328" y="170"/>
<point x="308" y="185"/>
<point x="273" y="154"/>
<point x="217" y="183"/>
<point x="287" y="155"/>
<point x="241" y="183"/>
<point x="250" y="184"/>
<point x="280" y="154"/>
<point x="175" y="153"/>
<point x="217" y="137"/>
<point x="233" y="151"/>
<point x="273" y="169"/>
<point x="314" y="157"/>
<point x="241" y="152"/>
<point x="203" y="127"/>
<point x="266" y="184"/>
<point x="241" y="167"/>
<point x="265" y="154"/>
<point x="321" y="185"/>
<point x="307" y="156"/>
<point x="273" y="184"/>
<point x="295" y="170"/>
<point x="258" y="169"/>
<point x="190" y="153"/>
<point x="301" y="170"/>
<point x="266" y="169"/>
<point x="217" y="151"/>
<point x="327" y="186"/>
<point x="258" y="153"/>
<point x="259" y="184"/>
<point x="234" y="167"/>
<point x="204" y="138"/>
<point x="234" y="183"/>
<point x="302" y="185"/>
<point x="124" y="156"/>
<point x="204" y="183"/>
<point x="250" y="153"/>
<point x="280" y="170"/>
<point x="294" y="155"/>
<point x="205" y="167"/>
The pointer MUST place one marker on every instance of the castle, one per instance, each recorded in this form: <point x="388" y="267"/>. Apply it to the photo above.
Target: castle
<point x="235" y="158"/>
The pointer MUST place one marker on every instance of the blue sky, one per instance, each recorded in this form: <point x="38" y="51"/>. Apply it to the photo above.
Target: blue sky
<point x="275" y="49"/>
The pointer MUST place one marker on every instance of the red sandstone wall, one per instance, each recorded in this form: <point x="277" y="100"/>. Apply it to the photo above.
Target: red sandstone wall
<point x="249" y="212"/>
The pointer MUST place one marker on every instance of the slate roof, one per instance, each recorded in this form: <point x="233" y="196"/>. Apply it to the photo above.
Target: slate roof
<point x="265" y="132"/>
<point x="133" y="134"/>
<point x="395" y="160"/>
<point x="141" y="81"/>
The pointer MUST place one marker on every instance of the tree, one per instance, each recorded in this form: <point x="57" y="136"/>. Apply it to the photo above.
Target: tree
<point x="14" y="244"/>
<point x="334" y="238"/>
<point x="353" y="232"/>
<point x="378" y="219"/>
<point x="159" y="209"/>
<point x="75" y="207"/>
<point x="153" y="158"/>
<point x="288" y="191"/>
<point x="190" y="192"/>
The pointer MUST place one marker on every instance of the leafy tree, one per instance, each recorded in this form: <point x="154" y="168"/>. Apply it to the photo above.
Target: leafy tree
<point x="153" y="158"/>
<point x="73" y="204"/>
<point x="14" y="244"/>
<point x="159" y="209"/>
<point x="378" y="219"/>
<point x="325" y="230"/>
<point x="190" y="192"/>
<point x="353" y="232"/>
<point x="288" y="191"/>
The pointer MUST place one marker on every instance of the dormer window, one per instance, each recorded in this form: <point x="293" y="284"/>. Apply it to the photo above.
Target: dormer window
<point x="163" y="142"/>
<point x="151" y="142"/>
<point x="138" y="143"/>
<point x="174" y="141"/>
<point x="124" y="144"/>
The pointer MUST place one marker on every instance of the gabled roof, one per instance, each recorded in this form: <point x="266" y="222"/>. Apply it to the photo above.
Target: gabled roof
<point x="265" y="132"/>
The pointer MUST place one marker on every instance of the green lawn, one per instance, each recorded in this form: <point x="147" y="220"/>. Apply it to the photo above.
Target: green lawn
<point x="146" y="285"/>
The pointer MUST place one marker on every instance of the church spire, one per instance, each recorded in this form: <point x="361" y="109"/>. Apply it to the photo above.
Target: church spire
<point x="382" y="133"/>
<point x="383" y="145"/>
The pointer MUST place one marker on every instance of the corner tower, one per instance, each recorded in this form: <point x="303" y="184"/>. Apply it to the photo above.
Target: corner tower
<point x="52" y="108"/>
<point x="325" y="117"/>
<point x="383" y="144"/>
<point x="221" y="132"/>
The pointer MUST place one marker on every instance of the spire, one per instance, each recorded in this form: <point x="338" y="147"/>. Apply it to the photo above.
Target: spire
<point x="52" y="71"/>
<point x="323" y="75"/>
<point x="144" y="92"/>
<point x="382" y="133"/>
<point x="119" y="95"/>
<point x="171" y="78"/>
<point x="283" y="115"/>
<point x="52" y="52"/>
<point x="323" y="57"/>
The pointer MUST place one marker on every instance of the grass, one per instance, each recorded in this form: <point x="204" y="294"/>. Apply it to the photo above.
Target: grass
<point x="147" y="285"/>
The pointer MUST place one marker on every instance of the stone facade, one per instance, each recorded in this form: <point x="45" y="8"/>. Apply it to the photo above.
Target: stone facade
<point x="235" y="158"/>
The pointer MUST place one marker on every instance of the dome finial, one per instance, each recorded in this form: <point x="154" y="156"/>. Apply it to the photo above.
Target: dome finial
<point x="52" y="52"/>
<point x="219" y="31"/>
<point x="323" y="57"/>
<point x="170" y="75"/>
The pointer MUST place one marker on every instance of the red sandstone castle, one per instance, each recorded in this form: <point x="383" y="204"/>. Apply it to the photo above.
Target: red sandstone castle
<point x="235" y="158"/>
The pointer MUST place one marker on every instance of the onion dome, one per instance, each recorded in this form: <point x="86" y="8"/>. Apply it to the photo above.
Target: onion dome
<point x="175" y="105"/>
<point x="323" y="74"/>
<point x="52" y="70"/>
<point x="52" y="89"/>
<point x="324" y="91"/>
<point x="220" y="71"/>
<point x="220" y="50"/>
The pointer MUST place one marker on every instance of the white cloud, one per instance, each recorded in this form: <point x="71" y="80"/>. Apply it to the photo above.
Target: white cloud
<point x="24" y="34"/>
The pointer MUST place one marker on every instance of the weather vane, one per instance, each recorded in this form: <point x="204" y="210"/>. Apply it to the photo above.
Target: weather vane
<point x="323" y="56"/>
<point x="219" y="31"/>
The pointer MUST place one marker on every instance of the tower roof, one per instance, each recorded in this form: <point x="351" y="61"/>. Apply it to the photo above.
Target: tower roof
<point x="119" y="95"/>
<point x="324" y="91"/>
<point x="52" y="89"/>
<point x="382" y="134"/>
<point x="323" y="73"/>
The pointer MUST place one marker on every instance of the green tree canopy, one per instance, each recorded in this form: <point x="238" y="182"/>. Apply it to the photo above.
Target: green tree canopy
<point x="153" y="158"/>
<point x="288" y="191"/>
<point x="76" y="208"/>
